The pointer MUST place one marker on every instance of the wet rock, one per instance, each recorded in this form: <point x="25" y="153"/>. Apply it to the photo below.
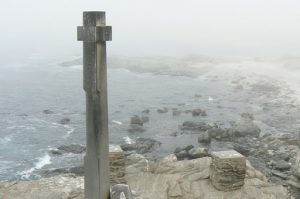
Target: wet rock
<point x="198" y="112"/>
<point x="196" y="126"/>
<point x="174" y="134"/>
<point x="47" y="111"/>
<point x="142" y="145"/>
<point x="164" y="110"/>
<point x="183" y="148"/>
<point x="247" y="116"/>
<point x="136" y="120"/>
<point x="282" y="165"/>
<point x="197" y="152"/>
<point x="217" y="133"/>
<point x="72" y="148"/>
<point x="65" y="121"/>
<point x="136" y="128"/>
<point x="147" y="111"/>
<point x="280" y="174"/>
<point x="244" y="127"/>
<point x="176" y="112"/>
<point x="182" y="155"/>
<point x="182" y="152"/>
<point x="145" y="119"/>
<point x="242" y="149"/>
<point x="204" y="138"/>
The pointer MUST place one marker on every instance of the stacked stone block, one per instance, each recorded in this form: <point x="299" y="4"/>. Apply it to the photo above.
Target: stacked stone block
<point x="116" y="165"/>
<point x="228" y="170"/>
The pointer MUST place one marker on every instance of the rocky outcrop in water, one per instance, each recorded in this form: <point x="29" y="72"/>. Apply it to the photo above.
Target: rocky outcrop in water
<point x="72" y="148"/>
<point x="141" y="146"/>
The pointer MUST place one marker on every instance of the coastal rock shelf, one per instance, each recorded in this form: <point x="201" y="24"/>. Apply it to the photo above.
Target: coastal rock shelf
<point x="169" y="178"/>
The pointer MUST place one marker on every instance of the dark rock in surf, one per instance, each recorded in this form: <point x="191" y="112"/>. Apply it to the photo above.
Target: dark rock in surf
<point x="65" y="121"/>
<point x="142" y="145"/>
<point x="164" y="110"/>
<point x="47" y="111"/>
<point x="136" y="120"/>
<point x="72" y="148"/>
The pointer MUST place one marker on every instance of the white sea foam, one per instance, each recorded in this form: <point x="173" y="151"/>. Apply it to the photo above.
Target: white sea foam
<point x="5" y="140"/>
<point x="70" y="130"/>
<point x="128" y="140"/>
<point x="41" y="162"/>
<point x="116" y="122"/>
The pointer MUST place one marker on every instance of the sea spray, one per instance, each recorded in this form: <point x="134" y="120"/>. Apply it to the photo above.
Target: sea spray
<point x="41" y="162"/>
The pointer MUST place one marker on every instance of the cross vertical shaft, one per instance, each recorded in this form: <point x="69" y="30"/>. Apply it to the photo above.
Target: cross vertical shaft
<point x="94" y="35"/>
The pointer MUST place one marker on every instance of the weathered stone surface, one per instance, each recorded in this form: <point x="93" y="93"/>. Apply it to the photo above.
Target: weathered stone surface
<point x="58" y="187"/>
<point x="228" y="170"/>
<point x="296" y="166"/>
<point x="188" y="179"/>
<point x="116" y="165"/>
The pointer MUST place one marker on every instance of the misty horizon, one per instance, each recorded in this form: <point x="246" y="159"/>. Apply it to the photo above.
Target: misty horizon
<point x="142" y="28"/>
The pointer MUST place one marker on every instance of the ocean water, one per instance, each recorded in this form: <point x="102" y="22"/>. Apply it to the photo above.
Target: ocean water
<point x="27" y="134"/>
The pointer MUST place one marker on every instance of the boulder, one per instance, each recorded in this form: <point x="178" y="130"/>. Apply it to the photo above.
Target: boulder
<point x="182" y="152"/>
<point x="228" y="170"/>
<point x="164" y="110"/>
<point x="145" y="119"/>
<point x="204" y="138"/>
<point x="196" y="126"/>
<point x="146" y="111"/>
<point x="198" y="112"/>
<point x="72" y="148"/>
<point x="142" y="145"/>
<point x="244" y="127"/>
<point x="176" y="112"/>
<point x="197" y="152"/>
<point x="47" y="111"/>
<point x="65" y="121"/>
<point x="136" y="120"/>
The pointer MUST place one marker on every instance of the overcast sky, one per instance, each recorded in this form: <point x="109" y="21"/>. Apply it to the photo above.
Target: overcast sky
<point x="154" y="27"/>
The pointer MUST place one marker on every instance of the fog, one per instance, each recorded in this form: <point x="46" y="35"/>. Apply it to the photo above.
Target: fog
<point x="39" y="28"/>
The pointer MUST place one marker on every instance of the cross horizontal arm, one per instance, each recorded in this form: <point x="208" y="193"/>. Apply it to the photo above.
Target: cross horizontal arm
<point x="94" y="34"/>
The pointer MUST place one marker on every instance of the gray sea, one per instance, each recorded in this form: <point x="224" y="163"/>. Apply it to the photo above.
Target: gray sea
<point x="36" y="96"/>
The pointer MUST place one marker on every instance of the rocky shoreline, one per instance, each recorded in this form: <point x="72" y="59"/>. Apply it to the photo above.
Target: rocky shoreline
<point x="275" y="155"/>
<point x="168" y="178"/>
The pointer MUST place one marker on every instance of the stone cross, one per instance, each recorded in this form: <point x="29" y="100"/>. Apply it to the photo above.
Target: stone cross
<point x="94" y="35"/>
